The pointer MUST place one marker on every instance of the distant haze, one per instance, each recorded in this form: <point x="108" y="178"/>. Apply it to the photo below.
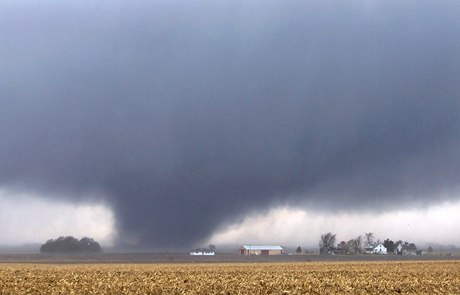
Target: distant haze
<point x="292" y="227"/>
<point x="184" y="116"/>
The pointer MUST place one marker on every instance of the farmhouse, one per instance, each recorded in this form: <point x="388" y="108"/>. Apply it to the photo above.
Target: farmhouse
<point x="399" y="250"/>
<point x="261" y="250"/>
<point x="202" y="252"/>
<point x="380" y="249"/>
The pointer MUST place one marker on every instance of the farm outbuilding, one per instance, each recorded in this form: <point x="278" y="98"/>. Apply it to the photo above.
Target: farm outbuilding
<point x="261" y="250"/>
<point x="202" y="252"/>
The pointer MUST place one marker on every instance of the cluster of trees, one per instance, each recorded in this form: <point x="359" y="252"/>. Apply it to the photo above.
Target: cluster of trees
<point x="327" y="244"/>
<point x="70" y="244"/>
<point x="405" y="246"/>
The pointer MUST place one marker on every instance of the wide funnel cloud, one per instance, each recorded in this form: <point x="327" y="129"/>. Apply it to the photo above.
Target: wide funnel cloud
<point x="188" y="114"/>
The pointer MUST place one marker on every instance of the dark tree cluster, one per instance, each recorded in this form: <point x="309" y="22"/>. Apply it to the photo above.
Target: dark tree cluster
<point x="70" y="245"/>
<point x="390" y="245"/>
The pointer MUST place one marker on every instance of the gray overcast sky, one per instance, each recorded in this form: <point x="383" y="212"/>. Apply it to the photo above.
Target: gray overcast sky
<point x="185" y="115"/>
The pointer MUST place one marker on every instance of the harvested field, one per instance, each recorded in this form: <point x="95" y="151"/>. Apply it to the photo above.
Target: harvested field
<point x="427" y="277"/>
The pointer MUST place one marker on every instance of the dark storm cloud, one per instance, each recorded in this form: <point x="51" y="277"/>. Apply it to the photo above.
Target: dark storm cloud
<point x="187" y="114"/>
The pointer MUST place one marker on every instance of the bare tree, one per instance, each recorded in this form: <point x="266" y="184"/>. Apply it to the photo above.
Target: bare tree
<point x="351" y="246"/>
<point x="369" y="238"/>
<point x="354" y="245"/>
<point x="343" y="247"/>
<point x="359" y="243"/>
<point x="430" y="249"/>
<point x="326" y="243"/>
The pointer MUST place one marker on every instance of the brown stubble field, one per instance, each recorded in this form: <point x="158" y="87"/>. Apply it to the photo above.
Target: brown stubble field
<point x="388" y="277"/>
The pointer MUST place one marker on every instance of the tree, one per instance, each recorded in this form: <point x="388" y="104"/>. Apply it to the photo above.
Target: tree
<point x="354" y="245"/>
<point x="89" y="245"/>
<point x="212" y="247"/>
<point x="430" y="249"/>
<point x="359" y="243"/>
<point x="390" y="245"/>
<point x="326" y="243"/>
<point x="342" y="247"/>
<point x="369" y="238"/>
<point x="409" y="247"/>
<point x="70" y="244"/>
<point x="298" y="250"/>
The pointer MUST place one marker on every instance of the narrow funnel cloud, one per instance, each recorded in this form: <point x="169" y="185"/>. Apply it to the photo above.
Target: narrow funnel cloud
<point x="187" y="115"/>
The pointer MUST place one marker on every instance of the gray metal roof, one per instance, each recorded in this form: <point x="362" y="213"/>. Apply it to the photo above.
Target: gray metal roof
<point x="259" y="247"/>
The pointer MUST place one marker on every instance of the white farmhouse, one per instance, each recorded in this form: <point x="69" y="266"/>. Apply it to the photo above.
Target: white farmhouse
<point x="399" y="249"/>
<point x="380" y="249"/>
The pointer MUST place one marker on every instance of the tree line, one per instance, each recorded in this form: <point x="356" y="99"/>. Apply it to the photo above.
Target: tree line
<point x="327" y="244"/>
<point x="70" y="244"/>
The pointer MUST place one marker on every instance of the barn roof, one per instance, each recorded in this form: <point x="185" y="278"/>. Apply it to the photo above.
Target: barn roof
<point x="265" y="247"/>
